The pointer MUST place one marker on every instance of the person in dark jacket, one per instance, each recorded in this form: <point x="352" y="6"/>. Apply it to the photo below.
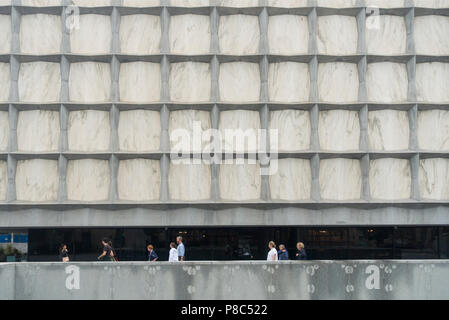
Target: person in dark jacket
<point x="282" y="253"/>
<point x="301" y="253"/>
<point x="152" y="256"/>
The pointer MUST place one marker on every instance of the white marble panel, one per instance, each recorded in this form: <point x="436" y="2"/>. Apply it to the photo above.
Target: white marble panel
<point x="240" y="182"/>
<point x="139" y="180"/>
<point x="93" y="36"/>
<point x="90" y="3"/>
<point x="37" y="180"/>
<point x="239" y="82"/>
<point x="288" y="3"/>
<point x="289" y="82"/>
<point x="239" y="130"/>
<point x="292" y="181"/>
<point x="88" y="130"/>
<point x="39" y="82"/>
<point x="338" y="82"/>
<point x="40" y="34"/>
<point x="385" y="3"/>
<point x="189" y="34"/>
<point x="386" y="82"/>
<point x="5" y="81"/>
<point x="337" y="35"/>
<point x="431" y="35"/>
<point x="141" y="3"/>
<point x="188" y="131"/>
<point x="294" y="129"/>
<point x="434" y="178"/>
<point x="140" y="82"/>
<point x="388" y="130"/>
<point x="390" y="179"/>
<point x="5" y="35"/>
<point x="340" y="179"/>
<point x="385" y="35"/>
<point x="190" y="82"/>
<point x="38" y="130"/>
<point x="433" y="130"/>
<point x="139" y="131"/>
<point x="3" y="180"/>
<point x="432" y="3"/>
<point x="88" y="180"/>
<point x="339" y="130"/>
<point x="432" y="82"/>
<point x="336" y="3"/>
<point x="4" y="130"/>
<point x="140" y="34"/>
<point x="231" y="38"/>
<point x="89" y="82"/>
<point x="189" y="3"/>
<point x="239" y="3"/>
<point x="42" y="3"/>
<point x="189" y="182"/>
<point x="295" y="41"/>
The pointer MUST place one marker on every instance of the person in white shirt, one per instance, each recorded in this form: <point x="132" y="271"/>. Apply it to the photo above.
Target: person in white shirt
<point x="273" y="253"/>
<point x="173" y="256"/>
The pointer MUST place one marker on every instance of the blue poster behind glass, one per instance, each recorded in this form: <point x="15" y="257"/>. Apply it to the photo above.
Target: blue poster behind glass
<point x="5" y="238"/>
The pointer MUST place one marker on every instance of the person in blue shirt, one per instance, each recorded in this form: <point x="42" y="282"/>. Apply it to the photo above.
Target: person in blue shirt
<point x="181" y="249"/>
<point x="283" y="253"/>
<point x="301" y="253"/>
<point x="152" y="256"/>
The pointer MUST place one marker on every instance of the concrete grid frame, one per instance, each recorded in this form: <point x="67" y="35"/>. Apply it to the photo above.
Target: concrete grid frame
<point x="215" y="211"/>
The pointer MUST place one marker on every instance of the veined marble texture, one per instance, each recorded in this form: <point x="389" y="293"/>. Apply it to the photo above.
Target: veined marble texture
<point x="90" y="82"/>
<point x="386" y="82"/>
<point x="189" y="182"/>
<point x="295" y="41"/>
<point x="337" y="35"/>
<point x="139" y="130"/>
<point x="4" y="130"/>
<point x="189" y="34"/>
<point x="189" y="3"/>
<point x="289" y="82"/>
<point x="294" y="129"/>
<point x="239" y="82"/>
<point x="338" y="82"/>
<point x="5" y="35"/>
<point x="386" y="35"/>
<point x="288" y="3"/>
<point x="140" y="82"/>
<point x="142" y="3"/>
<point x="239" y="130"/>
<point x="385" y="3"/>
<point x="88" y="180"/>
<point x="434" y="178"/>
<point x="190" y="82"/>
<point x="240" y="182"/>
<point x="388" y="130"/>
<point x="336" y="3"/>
<point x="339" y="130"/>
<point x="340" y="179"/>
<point x="292" y="181"/>
<point x="88" y="130"/>
<point x="93" y="36"/>
<point x="432" y="3"/>
<point x="3" y="180"/>
<point x="40" y="34"/>
<point x="39" y="82"/>
<point x="239" y="3"/>
<point x="431" y="35"/>
<point x="37" y="180"/>
<point x="187" y="131"/>
<point x="139" y="180"/>
<point x="433" y="130"/>
<point x="38" y="131"/>
<point x="432" y="82"/>
<point x="140" y="34"/>
<point x="390" y="179"/>
<point x="231" y="38"/>
<point x="90" y="3"/>
<point x="5" y="81"/>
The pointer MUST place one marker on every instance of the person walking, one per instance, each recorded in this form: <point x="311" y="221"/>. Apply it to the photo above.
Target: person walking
<point x="64" y="253"/>
<point x="108" y="251"/>
<point x="272" y="254"/>
<point x="181" y="249"/>
<point x="301" y="252"/>
<point x="283" y="253"/>
<point x="173" y="255"/>
<point x="152" y="256"/>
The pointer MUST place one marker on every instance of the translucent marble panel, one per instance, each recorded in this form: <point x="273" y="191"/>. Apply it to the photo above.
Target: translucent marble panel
<point x="292" y="181"/>
<point x="5" y="35"/>
<point x="190" y="82"/>
<point x="39" y="82"/>
<point x="5" y="81"/>
<point x="139" y="180"/>
<point x="88" y="130"/>
<point x="289" y="82"/>
<point x="385" y="3"/>
<point x="187" y="130"/>
<point x="433" y="130"/>
<point x="231" y="38"/>
<point x="88" y="180"/>
<point x="189" y="3"/>
<point x="293" y="127"/>
<point x="89" y="82"/>
<point x="434" y="178"/>
<point x="142" y="3"/>
<point x="431" y="35"/>
<point x="338" y="82"/>
<point x="239" y="130"/>
<point x="139" y="130"/>
<point x="239" y="82"/>
<point x="4" y="130"/>
<point x="189" y="182"/>
<point x="140" y="82"/>
<point x="385" y="35"/>
<point x="386" y="82"/>
<point x="40" y="34"/>
<point x="337" y="35"/>
<point x="240" y="182"/>
<point x="38" y="131"/>
<point x="90" y="3"/>
<point x="189" y="34"/>
<point x="239" y="3"/>
<point x="388" y="130"/>
<point x="288" y="3"/>
<point x="340" y="179"/>
<point x="37" y="180"/>
<point x="336" y="3"/>
<point x="339" y="130"/>
<point x="432" y="82"/>
<point x="93" y="36"/>
<point x="41" y="3"/>
<point x="432" y="3"/>
<point x="295" y="41"/>
<point x="390" y="179"/>
<point x="140" y="34"/>
<point x="3" y="180"/>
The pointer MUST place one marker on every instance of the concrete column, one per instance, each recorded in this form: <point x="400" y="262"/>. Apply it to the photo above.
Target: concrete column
<point x="165" y="123"/>
<point x="315" y="166"/>
<point x="215" y="73"/>
<point x="263" y="27"/>
<point x="314" y="137"/>
<point x="114" y="116"/>
<point x="13" y="115"/>
<point x="62" y="171"/>
<point x="414" y="168"/>
<point x="214" y="21"/>
<point x="65" y="41"/>
<point x="361" y="67"/>
<point x="115" y="74"/>
<point x="215" y="161"/>
<point x="11" y="187"/>
<point x="313" y="70"/>
<point x="364" y="167"/>
<point x="263" y="156"/>
<point x="165" y="165"/>
<point x="165" y="75"/>
<point x="409" y="25"/>
<point x="113" y="167"/>
<point x="361" y="27"/>
<point x="411" y="73"/>
<point x="165" y="148"/>
<point x="15" y="28"/>
<point x="64" y="123"/>
<point x="363" y="118"/>
<point x="413" y="125"/>
<point x="165" y="24"/>
<point x="312" y="21"/>
<point x="14" y="90"/>
<point x="65" y="73"/>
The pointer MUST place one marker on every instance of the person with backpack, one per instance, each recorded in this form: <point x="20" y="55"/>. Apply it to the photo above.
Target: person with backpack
<point x="108" y="251"/>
